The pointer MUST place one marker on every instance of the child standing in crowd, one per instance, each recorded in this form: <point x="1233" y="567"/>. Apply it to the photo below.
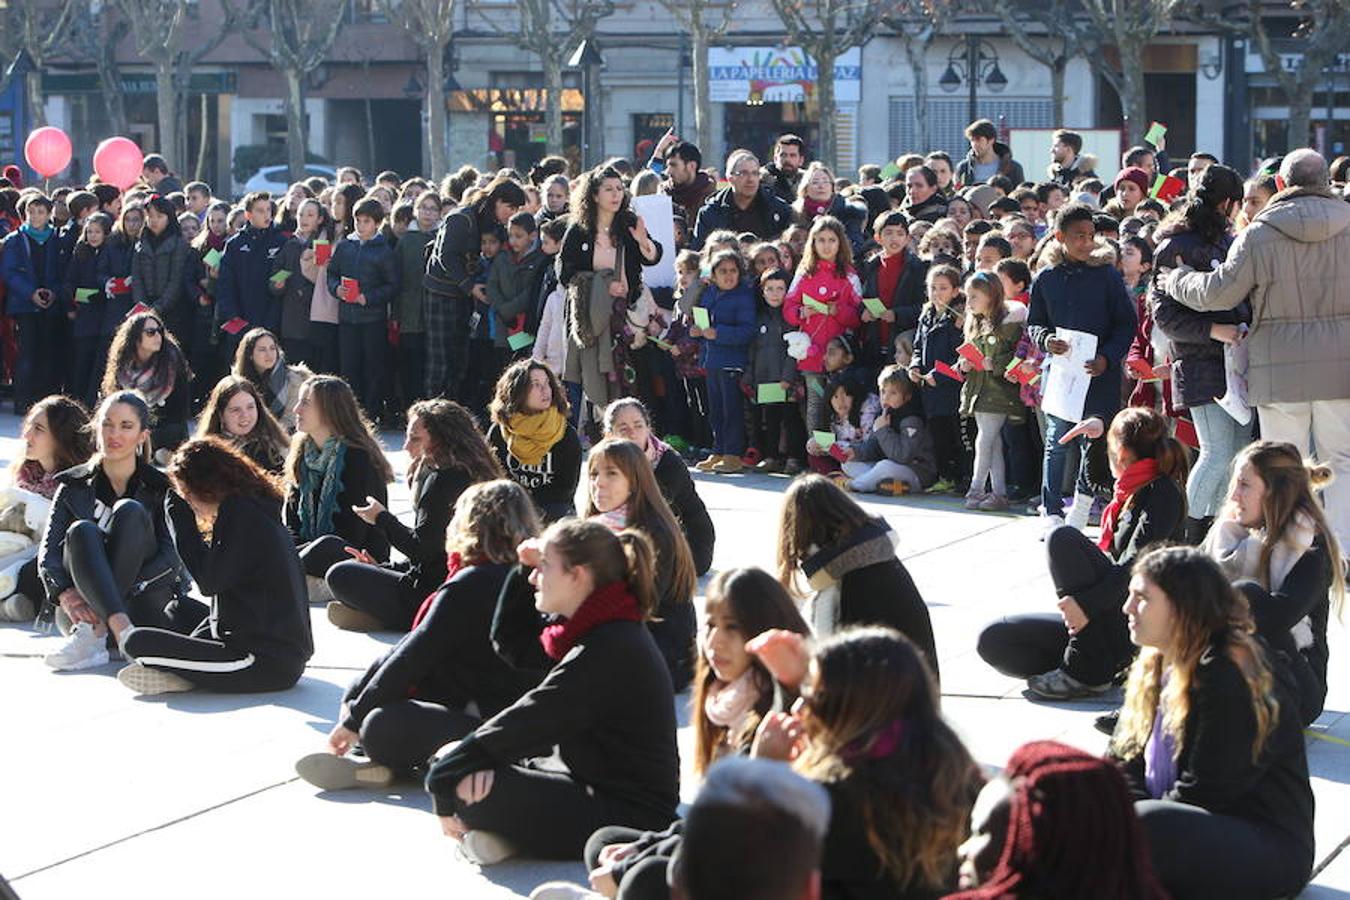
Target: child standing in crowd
<point x="157" y="268"/>
<point x="936" y="337"/>
<point x="729" y="306"/>
<point x="897" y="457"/>
<point x="993" y="328"/>
<point x="83" y="296"/>
<point x="407" y="310"/>
<point x="895" y="276"/>
<point x="823" y="302"/>
<point x="512" y="286"/>
<point x="31" y="266"/>
<point x="778" y="425"/>
<point x="364" y="275"/>
<point x="1023" y="439"/>
<point x="320" y="353"/>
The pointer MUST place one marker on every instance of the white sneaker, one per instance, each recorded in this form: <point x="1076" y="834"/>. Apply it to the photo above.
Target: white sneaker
<point x="486" y="848"/>
<point x="84" y="650"/>
<point x="145" y="680"/>
<point x="1051" y="523"/>
<point x="318" y="590"/>
<point x="18" y="608"/>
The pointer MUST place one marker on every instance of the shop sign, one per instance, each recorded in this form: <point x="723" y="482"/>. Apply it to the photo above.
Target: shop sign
<point x="777" y="75"/>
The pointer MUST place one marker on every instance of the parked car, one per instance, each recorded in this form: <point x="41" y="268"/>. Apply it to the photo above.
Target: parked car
<point x="277" y="178"/>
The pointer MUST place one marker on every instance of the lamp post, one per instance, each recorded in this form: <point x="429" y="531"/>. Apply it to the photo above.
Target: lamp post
<point x="970" y="64"/>
<point x="587" y="58"/>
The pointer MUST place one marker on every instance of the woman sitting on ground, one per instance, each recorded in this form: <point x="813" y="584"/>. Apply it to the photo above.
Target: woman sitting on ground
<point x="1078" y="651"/>
<point x="236" y="413"/>
<point x="848" y="559"/>
<point x="447" y="454"/>
<point x="606" y="704"/>
<point x="629" y="420"/>
<point x="622" y="493"/>
<point x="414" y="699"/>
<point x="145" y="357"/>
<point x="867" y="727"/>
<point x="257" y="635"/>
<point x="1057" y="822"/>
<point x="532" y="438"/>
<point x="260" y="360"/>
<point x="107" y="557"/>
<point x="55" y="436"/>
<point x="1274" y="541"/>
<point x="335" y="465"/>
<point x="1210" y="735"/>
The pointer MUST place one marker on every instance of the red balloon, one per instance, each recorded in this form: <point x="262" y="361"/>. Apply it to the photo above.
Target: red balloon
<point x="118" y="162"/>
<point x="47" y="151"/>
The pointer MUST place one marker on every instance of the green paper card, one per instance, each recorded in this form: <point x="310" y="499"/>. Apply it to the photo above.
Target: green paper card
<point x="520" y="340"/>
<point x="1156" y="131"/>
<point x="664" y="345"/>
<point x="84" y="295"/>
<point x="823" y="439"/>
<point x="772" y="393"/>
<point x="889" y="171"/>
<point x="212" y="258"/>
<point x="701" y="317"/>
<point x="874" y="306"/>
<point x="280" y="277"/>
<point x="813" y="303"/>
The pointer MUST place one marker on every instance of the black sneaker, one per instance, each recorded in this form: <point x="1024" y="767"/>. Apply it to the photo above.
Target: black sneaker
<point x="1106" y="722"/>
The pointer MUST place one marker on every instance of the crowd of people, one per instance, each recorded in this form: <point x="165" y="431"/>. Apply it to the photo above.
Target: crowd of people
<point x="201" y="385"/>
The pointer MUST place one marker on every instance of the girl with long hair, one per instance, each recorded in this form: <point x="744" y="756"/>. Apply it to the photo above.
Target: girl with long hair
<point x="107" y="558"/>
<point x="1199" y="236"/>
<point x="319" y="347"/>
<point x="260" y="359"/>
<point x="1211" y="735"/>
<point x="993" y="327"/>
<point x="1274" y="540"/>
<point x="295" y="291"/>
<point x="237" y="413"/>
<point x="628" y="419"/>
<point x="447" y="454"/>
<point x="533" y="440"/>
<point x="867" y="726"/>
<point x="1079" y="650"/>
<point x="416" y="698"/>
<point x="335" y="465"/>
<point x="145" y="357"/>
<point x="941" y="329"/>
<point x="606" y="703"/>
<point x="257" y="636"/>
<point x="208" y="247"/>
<point x="622" y="493"/>
<point x="55" y="436"/>
<point x="848" y="559"/>
<point x="83" y="292"/>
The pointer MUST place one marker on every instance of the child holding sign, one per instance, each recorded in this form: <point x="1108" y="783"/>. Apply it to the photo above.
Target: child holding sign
<point x="992" y="330"/>
<point x="936" y="338"/>
<point x="774" y="381"/>
<point x="724" y="324"/>
<point x="364" y="275"/>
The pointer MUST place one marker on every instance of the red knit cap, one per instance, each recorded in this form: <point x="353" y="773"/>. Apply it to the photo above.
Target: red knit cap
<point x="1135" y="174"/>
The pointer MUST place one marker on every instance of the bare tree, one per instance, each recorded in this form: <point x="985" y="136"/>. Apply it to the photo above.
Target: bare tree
<point x="827" y="29"/>
<point x="37" y="29"/>
<point x="551" y="29"/>
<point x="300" y="34"/>
<point x="705" y="21"/>
<point x="96" y="38"/>
<point x="431" y="25"/>
<point x="1053" y="48"/>
<point x="917" y="24"/>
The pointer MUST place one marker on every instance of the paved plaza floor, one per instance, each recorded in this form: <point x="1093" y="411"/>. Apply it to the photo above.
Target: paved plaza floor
<point x="195" y="797"/>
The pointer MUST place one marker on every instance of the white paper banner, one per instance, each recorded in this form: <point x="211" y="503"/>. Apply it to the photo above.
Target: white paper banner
<point x="659" y="214"/>
<point x="1066" y="381"/>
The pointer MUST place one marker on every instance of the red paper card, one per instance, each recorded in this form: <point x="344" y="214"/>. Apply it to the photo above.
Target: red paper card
<point x="139" y="308"/>
<point x="838" y="453"/>
<point x="353" y="288"/>
<point x="1166" y="188"/>
<point x="971" y="354"/>
<point x="234" y="326"/>
<point x="323" y="252"/>
<point x="1186" y="433"/>
<point x="1141" y="370"/>
<point x="121" y="285"/>
<point x="943" y="369"/>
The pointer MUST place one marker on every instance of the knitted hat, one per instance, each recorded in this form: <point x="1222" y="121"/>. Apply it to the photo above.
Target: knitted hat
<point x="1135" y="174"/>
<point x="14" y="174"/>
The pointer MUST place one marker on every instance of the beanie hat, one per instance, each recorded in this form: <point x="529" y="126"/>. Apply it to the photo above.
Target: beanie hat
<point x="15" y="175"/>
<point x="1135" y="174"/>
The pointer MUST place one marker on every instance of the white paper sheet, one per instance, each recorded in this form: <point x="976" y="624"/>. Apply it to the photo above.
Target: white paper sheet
<point x="1066" y="382"/>
<point x="659" y="214"/>
<point x="1234" y="401"/>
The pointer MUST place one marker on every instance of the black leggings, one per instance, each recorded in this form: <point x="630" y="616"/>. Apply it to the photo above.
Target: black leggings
<point x="384" y="593"/>
<point x="106" y="565"/>
<point x="1201" y="854"/>
<point x="208" y="663"/>
<point x="644" y="879"/>
<point x="322" y="553"/>
<point x="1026" y="645"/>
<point x="1312" y="687"/>
<point x="953" y="463"/>
<point x="779" y="425"/>
<point x="404" y="735"/>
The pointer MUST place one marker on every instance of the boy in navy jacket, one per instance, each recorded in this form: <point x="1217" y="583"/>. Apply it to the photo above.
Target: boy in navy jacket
<point x="241" y="285"/>
<point x="32" y="266"/>
<point x="366" y="259"/>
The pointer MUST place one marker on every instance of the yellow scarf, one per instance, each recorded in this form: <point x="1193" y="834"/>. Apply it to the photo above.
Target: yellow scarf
<point x="529" y="436"/>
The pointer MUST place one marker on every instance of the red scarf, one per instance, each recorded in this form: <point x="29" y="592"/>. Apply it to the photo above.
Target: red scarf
<point x="452" y="567"/>
<point x="812" y="208"/>
<point x="1136" y="475"/>
<point x="888" y="278"/>
<point x="611" y="603"/>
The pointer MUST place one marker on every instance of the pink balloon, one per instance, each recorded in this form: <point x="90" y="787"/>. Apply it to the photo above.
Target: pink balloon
<point x="118" y="162"/>
<point x="47" y="151"/>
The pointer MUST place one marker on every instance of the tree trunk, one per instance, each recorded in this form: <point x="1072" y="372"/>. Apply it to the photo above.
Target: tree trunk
<point x="825" y="57"/>
<point x="1300" y="120"/>
<point x="436" y="137"/>
<point x="1132" y="98"/>
<point x="702" y="102"/>
<point x="36" y="106"/>
<point x="295" y="124"/>
<point x="166" y="109"/>
<point x="553" y="119"/>
<point x="110" y="80"/>
<point x="199" y="170"/>
<point x="917" y="57"/>
<point x="1057" y="73"/>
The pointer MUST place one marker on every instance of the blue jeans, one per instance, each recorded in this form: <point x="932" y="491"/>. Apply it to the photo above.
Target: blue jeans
<point x="726" y="407"/>
<point x="1055" y="452"/>
<point x="1221" y="437"/>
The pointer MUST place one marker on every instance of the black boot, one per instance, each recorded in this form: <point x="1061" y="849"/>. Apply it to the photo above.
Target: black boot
<point x="1196" y="529"/>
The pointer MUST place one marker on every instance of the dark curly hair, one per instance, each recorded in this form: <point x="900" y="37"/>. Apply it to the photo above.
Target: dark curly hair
<point x="123" y="352"/>
<point x="456" y="442"/>
<point x="212" y="470"/>
<point x="509" y="397"/>
<point x="582" y="202"/>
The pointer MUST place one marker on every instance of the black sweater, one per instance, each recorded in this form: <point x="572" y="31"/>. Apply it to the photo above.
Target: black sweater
<point x="849" y="867"/>
<point x="1304" y="592"/>
<point x="553" y="483"/>
<point x="434" y="497"/>
<point x="252" y="574"/>
<point x="1215" y="769"/>
<point x="672" y="475"/>
<point x="578" y="255"/>
<point x="1154" y="513"/>
<point x="906" y="301"/>
<point x="360" y="480"/>
<point x="448" y="658"/>
<point x="607" y="705"/>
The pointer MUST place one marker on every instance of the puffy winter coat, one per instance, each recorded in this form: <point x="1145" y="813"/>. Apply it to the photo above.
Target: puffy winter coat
<point x="157" y="274"/>
<point x="824" y="285"/>
<point x="986" y="390"/>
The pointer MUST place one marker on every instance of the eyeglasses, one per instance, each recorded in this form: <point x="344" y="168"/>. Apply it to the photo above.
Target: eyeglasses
<point x="745" y="174"/>
<point x="151" y="331"/>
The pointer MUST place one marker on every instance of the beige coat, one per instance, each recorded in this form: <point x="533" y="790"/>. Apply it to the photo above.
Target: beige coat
<point x="1293" y="262"/>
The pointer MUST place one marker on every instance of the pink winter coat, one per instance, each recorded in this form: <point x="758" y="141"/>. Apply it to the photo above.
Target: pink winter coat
<point x="825" y="286"/>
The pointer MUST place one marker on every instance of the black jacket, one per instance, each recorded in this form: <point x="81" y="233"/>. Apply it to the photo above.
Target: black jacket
<point x="675" y="622"/>
<point x="672" y="475"/>
<point x="849" y="867"/>
<point x="434" y="496"/>
<point x="1155" y="513"/>
<point x="241" y="282"/>
<point x="360" y="480"/>
<point x="157" y="267"/>
<point x="782" y="186"/>
<point x="1304" y="592"/>
<point x="448" y="658"/>
<point x="906" y="302"/>
<point x="83" y="274"/>
<point x="83" y="492"/>
<point x="768" y="217"/>
<point x="936" y="337"/>
<point x="1215" y="770"/>
<point x="296" y="292"/>
<point x="452" y="255"/>
<point x="553" y="483"/>
<point x="607" y="706"/>
<point x="578" y="255"/>
<point x="252" y="574"/>
<point x="375" y="267"/>
<point x="115" y="262"/>
<point x="930" y="210"/>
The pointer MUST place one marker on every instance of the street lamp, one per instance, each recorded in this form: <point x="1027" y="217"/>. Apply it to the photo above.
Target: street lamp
<point x="970" y="64"/>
